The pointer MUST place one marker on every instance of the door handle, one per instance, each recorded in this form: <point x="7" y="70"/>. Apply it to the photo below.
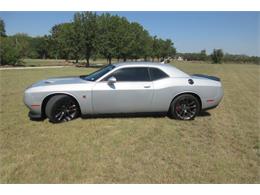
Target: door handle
<point x="147" y="86"/>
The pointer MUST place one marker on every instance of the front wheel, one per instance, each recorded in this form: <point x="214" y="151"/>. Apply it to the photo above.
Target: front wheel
<point x="185" y="107"/>
<point x="61" y="108"/>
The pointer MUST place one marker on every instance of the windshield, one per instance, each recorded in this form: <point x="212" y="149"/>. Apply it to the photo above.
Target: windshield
<point x="99" y="73"/>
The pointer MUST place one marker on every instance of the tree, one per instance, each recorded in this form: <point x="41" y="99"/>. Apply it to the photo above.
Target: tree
<point x="162" y="48"/>
<point x="107" y="36"/>
<point x="203" y="55"/>
<point x="76" y="48"/>
<point x="140" y="42"/>
<point x="241" y="59"/>
<point x="124" y="39"/>
<point x="2" y="28"/>
<point x="148" y="45"/>
<point x="61" y="38"/>
<point x="90" y="35"/>
<point x="86" y="23"/>
<point x="41" y="47"/>
<point x="22" y="43"/>
<point x="217" y="56"/>
<point x="155" y="48"/>
<point x="14" y="48"/>
<point x="9" y="51"/>
<point x="167" y="49"/>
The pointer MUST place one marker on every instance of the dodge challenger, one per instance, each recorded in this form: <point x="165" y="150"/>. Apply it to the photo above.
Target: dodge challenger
<point x="130" y="87"/>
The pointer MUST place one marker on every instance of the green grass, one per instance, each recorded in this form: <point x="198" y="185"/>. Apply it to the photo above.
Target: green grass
<point x="220" y="148"/>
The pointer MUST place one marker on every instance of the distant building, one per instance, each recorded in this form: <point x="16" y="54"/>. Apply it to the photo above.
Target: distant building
<point x="179" y="58"/>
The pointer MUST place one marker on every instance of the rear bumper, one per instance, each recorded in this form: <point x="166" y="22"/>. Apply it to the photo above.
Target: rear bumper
<point x="209" y="108"/>
<point x="212" y="101"/>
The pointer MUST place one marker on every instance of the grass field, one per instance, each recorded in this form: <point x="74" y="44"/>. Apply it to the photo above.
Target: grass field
<point x="220" y="147"/>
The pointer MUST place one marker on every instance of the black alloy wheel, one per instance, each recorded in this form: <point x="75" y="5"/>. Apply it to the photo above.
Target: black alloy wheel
<point x="185" y="107"/>
<point x="62" y="108"/>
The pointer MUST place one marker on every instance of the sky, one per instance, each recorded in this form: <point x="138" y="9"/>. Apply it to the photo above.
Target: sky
<point x="234" y="32"/>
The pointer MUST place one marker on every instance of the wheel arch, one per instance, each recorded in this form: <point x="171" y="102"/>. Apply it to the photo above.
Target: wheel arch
<point x="190" y="93"/>
<point x="48" y="97"/>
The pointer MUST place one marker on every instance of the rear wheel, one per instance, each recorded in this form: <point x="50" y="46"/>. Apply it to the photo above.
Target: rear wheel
<point x="185" y="107"/>
<point x="61" y="108"/>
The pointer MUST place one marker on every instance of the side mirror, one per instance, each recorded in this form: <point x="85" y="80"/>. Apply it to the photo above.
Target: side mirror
<point x="111" y="80"/>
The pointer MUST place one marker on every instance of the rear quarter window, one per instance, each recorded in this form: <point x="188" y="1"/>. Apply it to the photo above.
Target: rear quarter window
<point x="157" y="74"/>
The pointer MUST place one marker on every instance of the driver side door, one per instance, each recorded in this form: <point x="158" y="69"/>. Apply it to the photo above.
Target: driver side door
<point x="131" y="92"/>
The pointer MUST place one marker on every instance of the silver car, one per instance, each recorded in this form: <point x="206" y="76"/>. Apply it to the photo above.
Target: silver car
<point x="141" y="87"/>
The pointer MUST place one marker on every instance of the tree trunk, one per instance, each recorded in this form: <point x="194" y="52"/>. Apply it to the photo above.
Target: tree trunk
<point x="77" y="60"/>
<point x="87" y="64"/>
<point x="153" y="59"/>
<point x="124" y="59"/>
<point x="109" y="59"/>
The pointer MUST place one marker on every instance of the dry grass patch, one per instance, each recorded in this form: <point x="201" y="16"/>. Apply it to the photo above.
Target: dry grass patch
<point x="222" y="147"/>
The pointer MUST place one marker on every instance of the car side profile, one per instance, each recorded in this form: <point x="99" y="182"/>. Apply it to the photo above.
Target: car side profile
<point x="128" y="87"/>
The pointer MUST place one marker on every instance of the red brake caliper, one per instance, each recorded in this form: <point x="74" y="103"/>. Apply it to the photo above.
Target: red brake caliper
<point x="178" y="108"/>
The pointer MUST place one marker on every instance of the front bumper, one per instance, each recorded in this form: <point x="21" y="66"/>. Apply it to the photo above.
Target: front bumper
<point x="33" y="106"/>
<point x="34" y="115"/>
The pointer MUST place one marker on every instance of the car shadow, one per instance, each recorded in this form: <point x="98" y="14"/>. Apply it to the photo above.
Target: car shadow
<point x="204" y="114"/>
<point x="125" y="115"/>
<point x="128" y="115"/>
<point x="137" y="115"/>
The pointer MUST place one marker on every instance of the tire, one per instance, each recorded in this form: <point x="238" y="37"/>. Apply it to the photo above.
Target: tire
<point x="185" y="107"/>
<point x="61" y="108"/>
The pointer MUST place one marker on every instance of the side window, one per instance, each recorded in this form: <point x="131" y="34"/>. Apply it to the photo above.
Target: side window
<point x="157" y="74"/>
<point x="131" y="74"/>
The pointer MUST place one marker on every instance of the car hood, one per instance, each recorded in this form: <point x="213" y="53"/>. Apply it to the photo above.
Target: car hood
<point x="59" y="81"/>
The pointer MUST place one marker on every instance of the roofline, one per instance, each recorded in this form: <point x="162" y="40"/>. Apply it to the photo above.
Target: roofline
<point x="138" y="63"/>
<point x="170" y="69"/>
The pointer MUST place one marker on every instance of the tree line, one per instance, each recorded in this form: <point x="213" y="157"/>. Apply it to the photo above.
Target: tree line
<point x="88" y="36"/>
<point x="218" y="56"/>
<point x="100" y="36"/>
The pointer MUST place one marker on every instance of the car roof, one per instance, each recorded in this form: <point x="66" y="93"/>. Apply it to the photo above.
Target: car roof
<point x="167" y="68"/>
<point x="136" y="63"/>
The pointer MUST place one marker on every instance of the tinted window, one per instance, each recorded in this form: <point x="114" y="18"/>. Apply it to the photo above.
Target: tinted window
<point x="131" y="74"/>
<point x="157" y="74"/>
